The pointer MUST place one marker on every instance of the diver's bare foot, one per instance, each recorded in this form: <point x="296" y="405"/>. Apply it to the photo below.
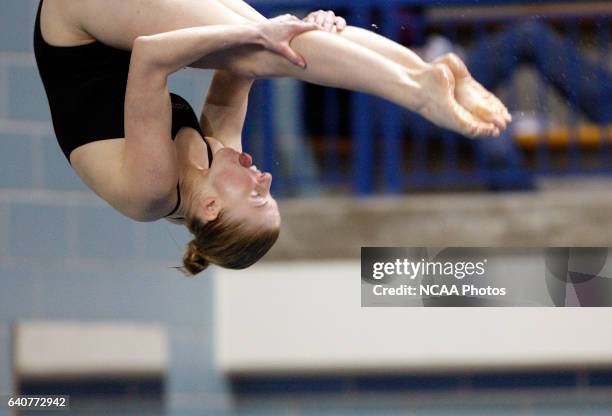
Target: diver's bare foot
<point x="473" y="96"/>
<point x="440" y="106"/>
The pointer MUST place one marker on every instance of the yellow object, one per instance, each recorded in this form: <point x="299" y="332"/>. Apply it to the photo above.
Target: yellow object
<point x="585" y="135"/>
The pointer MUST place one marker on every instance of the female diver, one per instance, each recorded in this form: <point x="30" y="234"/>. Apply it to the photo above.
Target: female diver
<point x="105" y="64"/>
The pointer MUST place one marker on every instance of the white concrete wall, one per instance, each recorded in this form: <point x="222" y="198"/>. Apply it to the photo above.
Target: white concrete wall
<point x="306" y="317"/>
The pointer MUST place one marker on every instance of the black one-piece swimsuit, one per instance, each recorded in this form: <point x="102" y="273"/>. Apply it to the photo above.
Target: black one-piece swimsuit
<point x="86" y="85"/>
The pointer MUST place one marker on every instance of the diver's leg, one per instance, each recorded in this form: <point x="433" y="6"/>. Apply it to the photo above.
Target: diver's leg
<point x="468" y="92"/>
<point x="243" y="9"/>
<point x="336" y="62"/>
<point x="332" y="60"/>
<point x="384" y="46"/>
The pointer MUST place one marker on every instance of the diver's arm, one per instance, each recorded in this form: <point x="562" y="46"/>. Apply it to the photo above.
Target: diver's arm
<point x="170" y="51"/>
<point x="149" y="157"/>
<point x="225" y="108"/>
<point x="148" y="163"/>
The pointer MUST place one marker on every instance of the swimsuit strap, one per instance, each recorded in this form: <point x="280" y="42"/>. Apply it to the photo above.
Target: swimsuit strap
<point x="178" y="189"/>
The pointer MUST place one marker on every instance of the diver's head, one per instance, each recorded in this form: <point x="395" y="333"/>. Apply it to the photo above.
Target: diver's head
<point x="231" y="213"/>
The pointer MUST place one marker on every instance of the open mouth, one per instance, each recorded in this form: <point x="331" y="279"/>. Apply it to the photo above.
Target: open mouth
<point x="245" y="160"/>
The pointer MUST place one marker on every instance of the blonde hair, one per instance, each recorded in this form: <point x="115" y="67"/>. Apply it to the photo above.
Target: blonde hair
<point x="226" y="243"/>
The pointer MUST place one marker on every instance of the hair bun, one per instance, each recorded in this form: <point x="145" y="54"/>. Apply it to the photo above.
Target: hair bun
<point x="193" y="261"/>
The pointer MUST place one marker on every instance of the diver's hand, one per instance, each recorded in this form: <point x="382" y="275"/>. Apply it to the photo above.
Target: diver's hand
<point x="326" y="20"/>
<point x="276" y="33"/>
<point x="473" y="96"/>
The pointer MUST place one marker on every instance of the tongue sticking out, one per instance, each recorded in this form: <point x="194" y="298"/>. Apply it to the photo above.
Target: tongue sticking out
<point x="245" y="160"/>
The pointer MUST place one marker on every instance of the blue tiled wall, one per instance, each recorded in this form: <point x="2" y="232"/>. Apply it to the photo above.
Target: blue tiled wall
<point x="25" y="100"/>
<point x="37" y="231"/>
<point x="15" y="161"/>
<point x="15" y="25"/>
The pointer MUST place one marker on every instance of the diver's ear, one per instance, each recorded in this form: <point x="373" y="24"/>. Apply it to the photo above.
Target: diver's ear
<point x="210" y="208"/>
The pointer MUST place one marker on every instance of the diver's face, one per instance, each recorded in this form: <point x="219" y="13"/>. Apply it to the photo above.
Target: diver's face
<point x="243" y="190"/>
